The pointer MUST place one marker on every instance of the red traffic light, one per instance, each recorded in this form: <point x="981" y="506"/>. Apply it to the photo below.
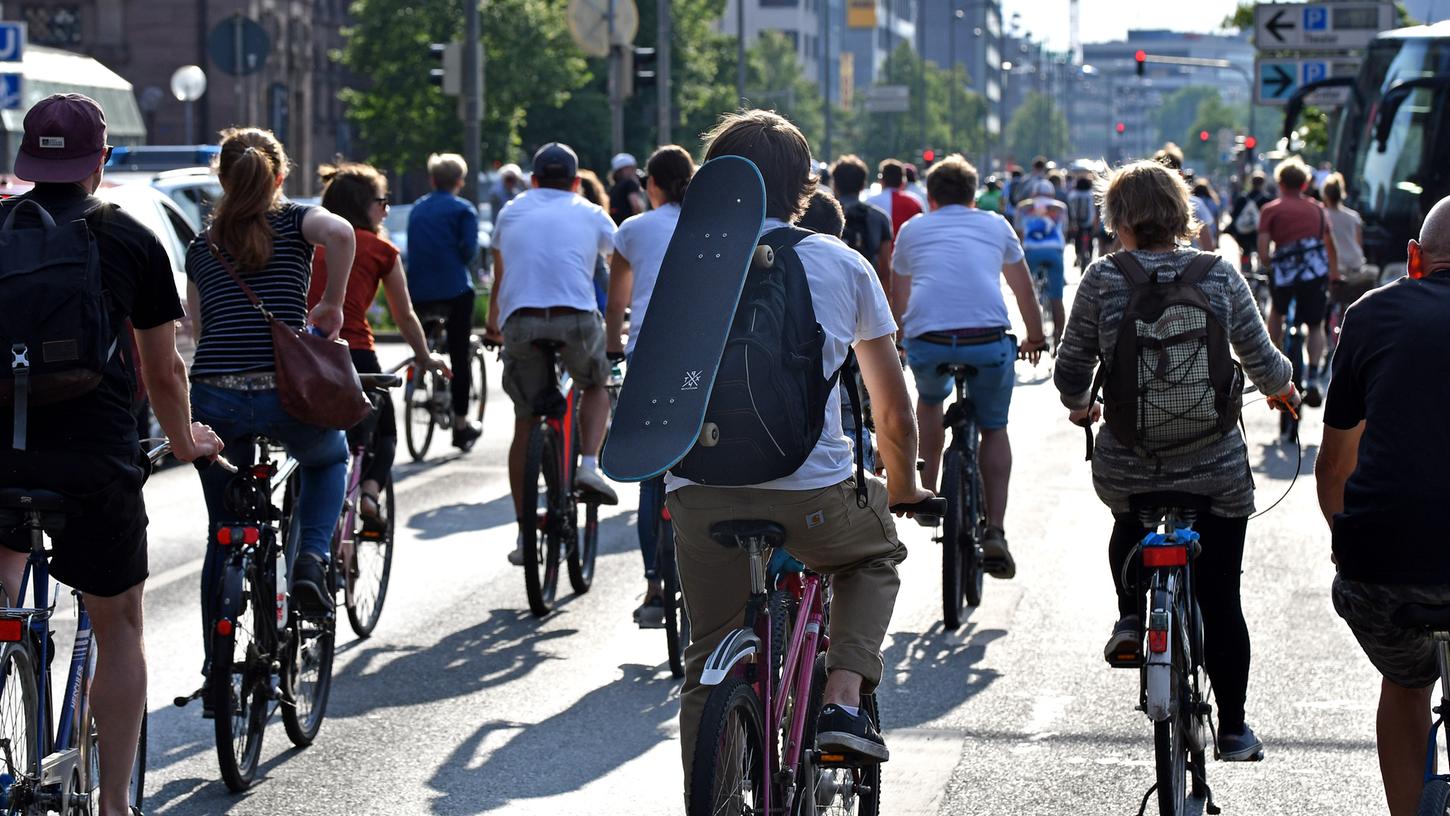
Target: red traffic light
<point x="1250" y="143"/>
<point x="1203" y="135"/>
<point x="928" y="155"/>
<point x="1120" y="127"/>
<point x="1141" y="55"/>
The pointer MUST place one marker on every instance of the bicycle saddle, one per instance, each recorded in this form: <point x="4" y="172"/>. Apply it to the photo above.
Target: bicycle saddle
<point x="1422" y="616"/>
<point x="1168" y="500"/>
<point x="957" y="369"/>
<point x="19" y="498"/>
<point x="549" y="345"/>
<point x="743" y="532"/>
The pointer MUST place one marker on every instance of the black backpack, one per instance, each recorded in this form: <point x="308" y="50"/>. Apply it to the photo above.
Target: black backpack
<point x="1172" y="385"/>
<point x="858" y="234"/>
<point x="57" y="329"/>
<point x="769" y="399"/>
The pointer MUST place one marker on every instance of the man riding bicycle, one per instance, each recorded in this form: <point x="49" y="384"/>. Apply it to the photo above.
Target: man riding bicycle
<point x="1042" y="224"/>
<point x="548" y="239"/>
<point x="1382" y="488"/>
<point x="953" y="312"/>
<point x="826" y="526"/>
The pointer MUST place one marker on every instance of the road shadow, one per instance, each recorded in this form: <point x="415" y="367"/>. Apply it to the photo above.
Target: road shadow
<point x="403" y="469"/>
<point x="1282" y="461"/>
<point x="449" y="519"/>
<point x="606" y="728"/>
<point x="934" y="672"/>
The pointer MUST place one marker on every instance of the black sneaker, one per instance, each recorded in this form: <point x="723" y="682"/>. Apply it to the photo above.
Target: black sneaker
<point x="466" y="434"/>
<point x="837" y="732"/>
<point x="309" y="579"/>
<point x="1239" y="745"/>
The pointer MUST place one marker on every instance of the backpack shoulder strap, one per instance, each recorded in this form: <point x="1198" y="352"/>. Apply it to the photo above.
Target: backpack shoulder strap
<point x="782" y="237"/>
<point x="1131" y="268"/>
<point x="1198" y="268"/>
<point x="847" y="376"/>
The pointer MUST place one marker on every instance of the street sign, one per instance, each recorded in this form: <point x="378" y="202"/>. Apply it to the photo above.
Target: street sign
<point x="1277" y="79"/>
<point x="12" y="91"/>
<point x="1334" y="26"/>
<point x="239" y="46"/>
<point x="861" y="14"/>
<point x="589" y="24"/>
<point x="12" y="42"/>
<point x="888" y="99"/>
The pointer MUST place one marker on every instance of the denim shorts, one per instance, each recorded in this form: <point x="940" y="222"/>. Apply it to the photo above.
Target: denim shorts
<point x="990" y="390"/>
<point x="1056" y="276"/>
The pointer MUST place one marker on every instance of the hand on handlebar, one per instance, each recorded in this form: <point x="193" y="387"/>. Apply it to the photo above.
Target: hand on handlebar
<point x="492" y="337"/>
<point x="896" y="502"/>
<point x="615" y="356"/>
<point x="1287" y="400"/>
<point x="1031" y="350"/>
<point x="1086" y="417"/>
<point x="203" y="444"/>
<point x="433" y="362"/>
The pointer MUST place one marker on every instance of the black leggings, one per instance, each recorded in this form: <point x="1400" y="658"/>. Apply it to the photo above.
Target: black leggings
<point x="458" y="317"/>
<point x="1216" y="571"/>
<point x="381" y="427"/>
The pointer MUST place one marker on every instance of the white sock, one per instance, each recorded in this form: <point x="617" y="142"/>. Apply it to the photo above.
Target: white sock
<point x="854" y="711"/>
<point x="590" y="463"/>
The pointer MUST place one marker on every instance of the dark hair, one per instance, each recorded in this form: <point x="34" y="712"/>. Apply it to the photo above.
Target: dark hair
<point x="891" y="173"/>
<point x="1039" y="163"/>
<point x="1333" y="189"/>
<point x="349" y="190"/>
<point x="910" y="170"/>
<point x="1170" y="156"/>
<point x="849" y="175"/>
<point x="445" y="170"/>
<point x="824" y="215"/>
<point x="249" y="166"/>
<point x="1083" y="183"/>
<point x="953" y="180"/>
<point x="778" y="149"/>
<point x="589" y="186"/>
<point x="994" y="185"/>
<point x="671" y="169"/>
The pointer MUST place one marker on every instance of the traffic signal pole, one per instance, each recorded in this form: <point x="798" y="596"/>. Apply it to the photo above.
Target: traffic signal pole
<point x="472" y="88"/>
<point x="662" y="71"/>
<point x="1195" y="62"/>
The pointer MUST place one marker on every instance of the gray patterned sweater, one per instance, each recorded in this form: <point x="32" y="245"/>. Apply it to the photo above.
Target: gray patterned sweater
<point x="1220" y="470"/>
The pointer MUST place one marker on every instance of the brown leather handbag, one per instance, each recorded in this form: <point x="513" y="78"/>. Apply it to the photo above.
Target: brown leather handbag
<point x="316" y="380"/>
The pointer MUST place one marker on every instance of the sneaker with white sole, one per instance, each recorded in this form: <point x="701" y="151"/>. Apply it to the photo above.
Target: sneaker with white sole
<point x="855" y="737"/>
<point x="592" y="481"/>
<point x="997" y="557"/>
<point x="1240" y="745"/>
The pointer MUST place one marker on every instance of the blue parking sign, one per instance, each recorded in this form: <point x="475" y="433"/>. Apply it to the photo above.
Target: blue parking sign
<point x="1316" y="18"/>
<point x="12" y="42"/>
<point x="12" y="87"/>
<point x="1315" y="71"/>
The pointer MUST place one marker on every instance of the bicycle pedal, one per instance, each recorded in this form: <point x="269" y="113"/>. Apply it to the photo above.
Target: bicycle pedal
<point x="1124" y="661"/>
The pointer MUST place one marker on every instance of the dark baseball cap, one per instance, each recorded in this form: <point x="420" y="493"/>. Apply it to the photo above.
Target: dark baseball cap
<point x="556" y="162"/>
<point x="65" y="137"/>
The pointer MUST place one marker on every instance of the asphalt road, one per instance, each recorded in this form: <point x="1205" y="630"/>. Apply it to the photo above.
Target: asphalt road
<point x="463" y="703"/>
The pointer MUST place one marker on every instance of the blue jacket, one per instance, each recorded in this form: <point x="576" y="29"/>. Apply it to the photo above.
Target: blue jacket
<point x="442" y="242"/>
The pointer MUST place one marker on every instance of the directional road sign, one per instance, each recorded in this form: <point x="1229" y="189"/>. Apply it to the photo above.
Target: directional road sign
<point x="1320" y="26"/>
<point x="888" y="99"/>
<point x="12" y="42"/>
<point x="1277" y="79"/>
<point x="12" y="91"/>
<point x="239" y="45"/>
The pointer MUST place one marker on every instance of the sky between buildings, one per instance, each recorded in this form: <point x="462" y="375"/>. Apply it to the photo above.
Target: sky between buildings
<point x="1106" y="20"/>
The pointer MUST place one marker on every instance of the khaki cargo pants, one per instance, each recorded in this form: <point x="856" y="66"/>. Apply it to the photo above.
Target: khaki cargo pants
<point x="828" y="532"/>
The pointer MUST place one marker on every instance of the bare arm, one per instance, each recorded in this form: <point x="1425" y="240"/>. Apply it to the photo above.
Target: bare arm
<point x="332" y="233"/>
<point x="621" y="288"/>
<point x="1327" y="237"/>
<point x="1264" y="256"/>
<point x="164" y="372"/>
<point x="490" y="326"/>
<point x="895" y="419"/>
<point x="1338" y="456"/>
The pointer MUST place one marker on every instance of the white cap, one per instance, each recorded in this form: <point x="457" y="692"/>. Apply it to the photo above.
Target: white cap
<point x="621" y="160"/>
<point x="511" y="169"/>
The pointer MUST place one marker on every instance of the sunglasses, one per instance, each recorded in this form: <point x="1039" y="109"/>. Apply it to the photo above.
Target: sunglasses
<point x="383" y="200"/>
<point x="107" y="157"/>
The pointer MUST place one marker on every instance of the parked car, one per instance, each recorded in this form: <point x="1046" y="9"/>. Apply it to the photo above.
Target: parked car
<point x="156" y="158"/>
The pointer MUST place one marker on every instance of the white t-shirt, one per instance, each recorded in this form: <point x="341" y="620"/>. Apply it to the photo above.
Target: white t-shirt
<point x="954" y="256"/>
<point x="642" y="240"/>
<point x="550" y="241"/>
<point x="850" y="307"/>
<point x="1204" y="214"/>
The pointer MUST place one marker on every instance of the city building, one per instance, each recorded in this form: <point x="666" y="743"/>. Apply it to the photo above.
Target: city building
<point x="891" y="23"/>
<point x="816" y="27"/>
<point x="969" y="34"/>
<point x="294" y="92"/>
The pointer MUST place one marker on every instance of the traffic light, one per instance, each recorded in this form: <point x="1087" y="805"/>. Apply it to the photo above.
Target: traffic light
<point x="1250" y="143"/>
<point x="449" y="74"/>
<point x="1120" y="128"/>
<point x="928" y="155"/>
<point x="644" y="68"/>
<point x="1203" y="135"/>
<point x="1142" y="57"/>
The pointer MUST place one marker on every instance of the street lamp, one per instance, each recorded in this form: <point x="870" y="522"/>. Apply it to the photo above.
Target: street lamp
<point x="957" y="15"/>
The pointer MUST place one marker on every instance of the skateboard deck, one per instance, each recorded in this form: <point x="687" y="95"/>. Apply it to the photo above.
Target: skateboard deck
<point x="677" y="354"/>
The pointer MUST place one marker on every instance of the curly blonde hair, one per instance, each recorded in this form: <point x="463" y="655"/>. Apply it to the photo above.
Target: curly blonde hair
<point x="1149" y="200"/>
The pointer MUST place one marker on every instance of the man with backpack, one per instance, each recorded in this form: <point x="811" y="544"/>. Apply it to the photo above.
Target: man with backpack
<point x="868" y="227"/>
<point x="835" y="523"/>
<point x="66" y="395"/>
<point x="1172" y="427"/>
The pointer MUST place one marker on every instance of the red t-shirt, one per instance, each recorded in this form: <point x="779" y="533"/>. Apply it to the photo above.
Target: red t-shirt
<point x="904" y="207"/>
<point x="374" y="259"/>
<point x="1291" y="218"/>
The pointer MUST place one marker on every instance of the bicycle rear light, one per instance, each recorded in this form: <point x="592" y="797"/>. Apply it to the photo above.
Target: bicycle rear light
<point x="11" y="629"/>
<point x="263" y="471"/>
<point x="1168" y="556"/>
<point x="1157" y="641"/>
<point x="228" y="536"/>
<point x="224" y="627"/>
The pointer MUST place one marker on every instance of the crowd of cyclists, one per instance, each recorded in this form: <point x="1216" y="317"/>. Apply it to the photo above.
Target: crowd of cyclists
<point x="911" y="277"/>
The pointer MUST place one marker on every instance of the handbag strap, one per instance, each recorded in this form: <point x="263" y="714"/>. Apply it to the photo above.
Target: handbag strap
<point x="231" y="270"/>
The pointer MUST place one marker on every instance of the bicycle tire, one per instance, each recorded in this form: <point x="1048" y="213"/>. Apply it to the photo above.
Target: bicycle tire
<point x="865" y="787"/>
<point x="418" y="420"/>
<point x="19" y="713"/>
<point x="729" y="752"/>
<point x="1435" y="798"/>
<point x="89" y="792"/>
<point x="677" y="622"/>
<point x="585" y="550"/>
<point x="308" y="670"/>
<point x="783" y="606"/>
<point x="973" y="569"/>
<point x="541" y="558"/>
<point x="241" y="689"/>
<point x="478" y="389"/>
<point x="953" y="487"/>
<point x="1170" y="760"/>
<point x="371" y="568"/>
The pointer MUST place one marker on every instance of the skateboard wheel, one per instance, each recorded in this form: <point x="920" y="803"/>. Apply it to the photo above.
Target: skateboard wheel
<point x="710" y="432"/>
<point x="764" y="258"/>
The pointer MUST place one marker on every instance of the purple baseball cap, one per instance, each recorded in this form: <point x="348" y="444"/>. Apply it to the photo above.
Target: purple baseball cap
<point x="65" y="137"/>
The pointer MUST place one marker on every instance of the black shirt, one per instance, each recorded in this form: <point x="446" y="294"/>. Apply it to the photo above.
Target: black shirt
<point x="137" y="275"/>
<point x="235" y="337"/>
<point x="1392" y="371"/>
<point x="620" y="206"/>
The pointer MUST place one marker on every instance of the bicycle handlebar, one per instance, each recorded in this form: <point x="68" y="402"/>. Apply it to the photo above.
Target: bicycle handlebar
<point x="380" y="380"/>
<point x="934" y="506"/>
<point x="156" y="454"/>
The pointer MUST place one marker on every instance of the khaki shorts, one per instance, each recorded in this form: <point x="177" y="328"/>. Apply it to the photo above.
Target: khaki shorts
<point x="526" y="371"/>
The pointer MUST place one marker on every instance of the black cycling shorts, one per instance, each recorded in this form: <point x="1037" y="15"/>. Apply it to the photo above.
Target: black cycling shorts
<point x="1310" y="298"/>
<point x="102" y="548"/>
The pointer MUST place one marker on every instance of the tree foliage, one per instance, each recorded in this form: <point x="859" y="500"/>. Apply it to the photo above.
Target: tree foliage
<point x="775" y="80"/>
<point x="1243" y="16"/>
<point x="955" y="115"/>
<point x="1037" y="128"/>
<point x="1175" y="117"/>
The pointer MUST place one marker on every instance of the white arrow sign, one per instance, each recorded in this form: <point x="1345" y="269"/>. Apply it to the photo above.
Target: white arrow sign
<point x="1320" y="26"/>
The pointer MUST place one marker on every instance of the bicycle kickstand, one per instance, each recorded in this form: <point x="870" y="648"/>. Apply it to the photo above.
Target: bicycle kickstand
<point x="1143" y="808"/>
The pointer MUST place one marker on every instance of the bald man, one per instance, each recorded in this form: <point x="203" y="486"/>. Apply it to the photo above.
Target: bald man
<point x="1383" y="480"/>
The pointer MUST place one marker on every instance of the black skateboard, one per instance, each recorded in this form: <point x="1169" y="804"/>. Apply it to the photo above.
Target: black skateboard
<point x="662" y="403"/>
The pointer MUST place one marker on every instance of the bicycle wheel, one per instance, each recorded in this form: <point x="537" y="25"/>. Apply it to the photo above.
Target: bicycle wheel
<point x="728" y="774"/>
<point x="418" y="422"/>
<point x="19" y="718"/>
<point x="677" y="623"/>
<point x="585" y="550"/>
<point x="975" y="516"/>
<point x="241" y="672"/>
<point x="1170" y="755"/>
<point x="478" y="389"/>
<point x="86" y="798"/>
<point x="370" y="568"/>
<point x="834" y="790"/>
<point x="1435" y="798"/>
<point x="540" y="526"/>
<point x="954" y="528"/>
<point x="308" y="675"/>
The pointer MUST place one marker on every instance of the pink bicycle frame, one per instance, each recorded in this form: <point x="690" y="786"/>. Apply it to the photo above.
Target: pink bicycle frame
<point x="798" y="671"/>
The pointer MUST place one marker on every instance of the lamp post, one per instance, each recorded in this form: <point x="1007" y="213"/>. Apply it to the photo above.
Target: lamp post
<point x="957" y="15"/>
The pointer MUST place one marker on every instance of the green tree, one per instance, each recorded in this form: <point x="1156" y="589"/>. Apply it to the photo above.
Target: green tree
<point x="1243" y="16"/>
<point x="1037" y="128"/>
<point x="1175" y="117"/>
<point x="955" y="115"/>
<point x="1213" y="115"/>
<point x="775" y="80"/>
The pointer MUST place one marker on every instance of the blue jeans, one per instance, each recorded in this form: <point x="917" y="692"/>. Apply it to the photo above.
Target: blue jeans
<point x="991" y="388"/>
<point x="651" y="502"/>
<point x="1056" y="275"/>
<point x="321" y="452"/>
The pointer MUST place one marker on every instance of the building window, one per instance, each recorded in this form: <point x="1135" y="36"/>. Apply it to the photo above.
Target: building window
<point x="779" y="3"/>
<point x="57" y="26"/>
<point x="794" y="37"/>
